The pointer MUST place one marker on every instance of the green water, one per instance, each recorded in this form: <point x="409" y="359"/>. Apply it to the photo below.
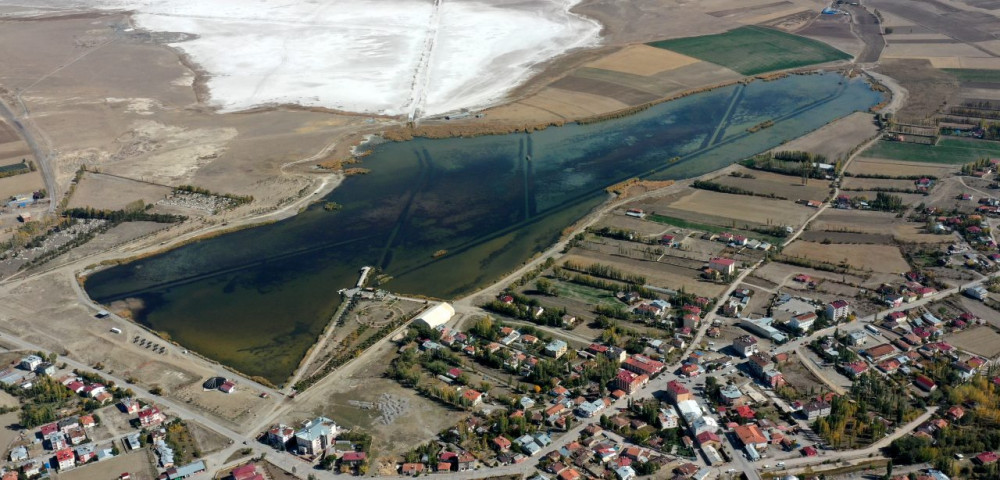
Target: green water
<point x="257" y="299"/>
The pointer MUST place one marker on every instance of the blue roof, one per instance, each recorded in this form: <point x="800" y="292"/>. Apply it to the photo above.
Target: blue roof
<point x="189" y="469"/>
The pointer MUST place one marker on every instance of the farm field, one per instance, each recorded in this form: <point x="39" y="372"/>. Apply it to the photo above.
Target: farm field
<point x="742" y="208"/>
<point x="949" y="151"/>
<point x="657" y="274"/>
<point x="859" y="221"/>
<point x="982" y="341"/>
<point x="751" y="50"/>
<point x="854" y="183"/>
<point x="643" y="60"/>
<point x="878" y="258"/>
<point x="836" y="139"/>
<point x="767" y="183"/>
<point x="896" y="168"/>
<point x="24" y="183"/>
<point x="92" y="191"/>
<point x="975" y="75"/>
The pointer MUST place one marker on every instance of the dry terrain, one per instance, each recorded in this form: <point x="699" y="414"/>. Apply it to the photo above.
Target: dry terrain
<point x="106" y="192"/>
<point x="740" y="208"/>
<point x="785" y="186"/>
<point x="837" y="139"/>
<point x="137" y="464"/>
<point x="892" y="168"/>
<point x="870" y="222"/>
<point x="878" y="258"/>
<point x="983" y="341"/>
<point x="657" y="273"/>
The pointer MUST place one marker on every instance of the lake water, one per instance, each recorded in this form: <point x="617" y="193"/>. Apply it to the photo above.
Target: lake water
<point x="257" y="299"/>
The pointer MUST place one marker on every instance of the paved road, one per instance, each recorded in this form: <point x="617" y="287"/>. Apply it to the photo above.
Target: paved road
<point x="42" y="158"/>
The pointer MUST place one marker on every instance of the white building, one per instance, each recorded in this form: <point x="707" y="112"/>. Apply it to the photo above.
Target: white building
<point x="435" y="316"/>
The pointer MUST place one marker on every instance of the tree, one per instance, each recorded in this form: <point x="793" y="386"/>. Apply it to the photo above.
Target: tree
<point x="544" y="286"/>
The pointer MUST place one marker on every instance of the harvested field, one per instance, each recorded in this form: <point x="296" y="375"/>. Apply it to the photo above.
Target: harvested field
<point x="983" y="341"/>
<point x="782" y="273"/>
<point x="949" y="151"/>
<point x="878" y="258"/>
<point x="897" y="168"/>
<point x="838" y="138"/>
<point x="844" y="237"/>
<point x="25" y="183"/>
<point x="643" y="60"/>
<point x="93" y="191"/>
<point x="763" y="211"/>
<point x="853" y="183"/>
<point x="869" y="222"/>
<point x="767" y="183"/>
<point x="137" y="464"/>
<point x="753" y="50"/>
<point x="929" y="89"/>
<point x="621" y="93"/>
<point x="657" y="274"/>
<point x="7" y="133"/>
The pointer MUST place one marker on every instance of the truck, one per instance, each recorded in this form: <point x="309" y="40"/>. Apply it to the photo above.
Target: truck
<point x="873" y="329"/>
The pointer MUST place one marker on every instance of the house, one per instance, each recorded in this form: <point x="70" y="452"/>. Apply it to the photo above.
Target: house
<point x="31" y="362"/>
<point x="556" y="348"/>
<point x="353" y="458"/>
<point x="316" y="436"/>
<point x="708" y="438"/>
<point x="816" y="409"/>
<point x="85" y="453"/>
<point x="76" y="436"/>
<point x="986" y="458"/>
<point x="87" y="421"/>
<point x="725" y="266"/>
<point x="411" y="469"/>
<point x="132" y="441"/>
<point x="31" y="469"/>
<point x="466" y="461"/>
<point x="879" y="352"/>
<point x="65" y="459"/>
<point x="838" y="310"/>
<point x="625" y="473"/>
<point x="45" y="368"/>
<point x="857" y="338"/>
<point x="925" y="383"/>
<point x="677" y="392"/>
<point x="227" y="387"/>
<point x="245" y="472"/>
<point x="473" y="397"/>
<point x="150" y="416"/>
<point x="629" y="381"/>
<point x="128" y="406"/>
<point x="803" y="322"/>
<point x="188" y="470"/>
<point x="643" y="365"/>
<point x="745" y="345"/>
<point x="751" y="436"/>
<point x="956" y="413"/>
<point x="668" y="241"/>
<point x="501" y="444"/>
<point x="731" y="395"/>
<point x="18" y="454"/>
<point x="280" y="435"/>
<point x="855" y="369"/>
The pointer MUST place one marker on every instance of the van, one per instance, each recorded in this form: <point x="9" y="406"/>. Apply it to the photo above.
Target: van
<point x="116" y="330"/>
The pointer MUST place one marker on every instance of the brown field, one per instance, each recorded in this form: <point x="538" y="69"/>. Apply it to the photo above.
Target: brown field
<point x="24" y="183"/>
<point x="94" y="191"/>
<point x="878" y="258"/>
<point x="768" y="183"/>
<point x="860" y="221"/>
<point x="571" y="104"/>
<point x="137" y="463"/>
<point x="744" y="208"/>
<point x="845" y="237"/>
<point x="8" y="134"/>
<point x="894" y="168"/>
<point x="983" y="341"/>
<point x="14" y="150"/>
<point x="643" y="60"/>
<point x="781" y="274"/>
<point x="836" y="139"/>
<point x="853" y="183"/>
<point x="657" y="274"/>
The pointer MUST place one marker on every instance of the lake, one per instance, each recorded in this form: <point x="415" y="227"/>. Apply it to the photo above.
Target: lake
<point x="258" y="298"/>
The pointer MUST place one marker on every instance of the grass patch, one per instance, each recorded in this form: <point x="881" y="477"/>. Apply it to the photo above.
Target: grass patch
<point x="975" y="75"/>
<point x="14" y="167"/>
<point x="949" y="151"/>
<point x="752" y="50"/>
<point x="590" y="295"/>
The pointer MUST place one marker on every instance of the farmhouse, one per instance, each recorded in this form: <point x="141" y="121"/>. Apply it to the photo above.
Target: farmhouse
<point x="726" y="266"/>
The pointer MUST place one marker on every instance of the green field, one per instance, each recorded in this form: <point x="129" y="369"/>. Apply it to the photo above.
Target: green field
<point x="975" y="75"/>
<point x="14" y="167"/>
<point x="704" y="227"/>
<point x="751" y="50"/>
<point x="949" y="151"/>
